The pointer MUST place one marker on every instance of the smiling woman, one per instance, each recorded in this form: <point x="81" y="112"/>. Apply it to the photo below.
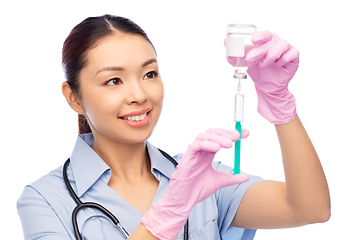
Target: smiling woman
<point x="113" y="83"/>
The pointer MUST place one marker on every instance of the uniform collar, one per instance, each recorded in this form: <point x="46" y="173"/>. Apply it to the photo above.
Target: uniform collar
<point x="88" y="167"/>
<point x="159" y="162"/>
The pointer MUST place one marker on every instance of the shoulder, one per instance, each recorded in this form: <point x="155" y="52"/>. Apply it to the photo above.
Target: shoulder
<point x="44" y="206"/>
<point x="49" y="189"/>
<point x="50" y="184"/>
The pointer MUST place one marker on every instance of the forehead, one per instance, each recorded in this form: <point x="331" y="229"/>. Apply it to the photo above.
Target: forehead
<point x="120" y="49"/>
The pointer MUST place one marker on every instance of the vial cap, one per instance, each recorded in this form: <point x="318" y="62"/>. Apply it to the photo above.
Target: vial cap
<point x="240" y="75"/>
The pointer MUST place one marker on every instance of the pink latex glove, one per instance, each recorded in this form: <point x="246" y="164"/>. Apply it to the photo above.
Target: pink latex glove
<point x="272" y="64"/>
<point x="193" y="181"/>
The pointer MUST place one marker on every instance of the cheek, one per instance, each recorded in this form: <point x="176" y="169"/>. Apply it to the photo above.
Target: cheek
<point x="99" y="106"/>
<point x="157" y="93"/>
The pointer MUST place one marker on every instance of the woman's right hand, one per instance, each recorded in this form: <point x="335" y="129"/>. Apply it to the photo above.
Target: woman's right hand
<point x="193" y="181"/>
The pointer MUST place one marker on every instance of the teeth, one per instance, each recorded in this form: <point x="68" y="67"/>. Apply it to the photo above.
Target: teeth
<point x="136" y="118"/>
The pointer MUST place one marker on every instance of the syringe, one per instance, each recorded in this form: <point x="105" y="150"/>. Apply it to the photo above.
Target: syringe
<point x="238" y="117"/>
<point x="238" y="42"/>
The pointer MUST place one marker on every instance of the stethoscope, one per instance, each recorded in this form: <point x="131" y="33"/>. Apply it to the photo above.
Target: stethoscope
<point x="81" y="205"/>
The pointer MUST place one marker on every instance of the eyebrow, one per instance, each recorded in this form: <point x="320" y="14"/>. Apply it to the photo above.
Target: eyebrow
<point x="110" y="69"/>
<point x="148" y="62"/>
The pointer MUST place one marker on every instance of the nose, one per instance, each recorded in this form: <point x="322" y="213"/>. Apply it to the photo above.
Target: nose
<point x="136" y="94"/>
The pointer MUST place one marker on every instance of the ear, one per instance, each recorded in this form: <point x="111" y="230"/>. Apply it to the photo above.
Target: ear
<point x="72" y="98"/>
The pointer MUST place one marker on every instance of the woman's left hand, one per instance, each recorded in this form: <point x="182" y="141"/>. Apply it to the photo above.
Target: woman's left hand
<point x="272" y="64"/>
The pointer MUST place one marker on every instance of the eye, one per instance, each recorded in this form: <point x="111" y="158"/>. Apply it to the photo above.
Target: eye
<point x="113" y="81"/>
<point x="152" y="74"/>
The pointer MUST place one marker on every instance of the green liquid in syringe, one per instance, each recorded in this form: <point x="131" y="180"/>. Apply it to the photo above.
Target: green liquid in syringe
<point x="237" y="150"/>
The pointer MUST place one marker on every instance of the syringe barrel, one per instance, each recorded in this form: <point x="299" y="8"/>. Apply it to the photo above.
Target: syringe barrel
<point x="239" y="108"/>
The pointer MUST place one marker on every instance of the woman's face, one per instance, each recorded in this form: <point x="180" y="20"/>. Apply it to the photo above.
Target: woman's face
<point x="122" y="91"/>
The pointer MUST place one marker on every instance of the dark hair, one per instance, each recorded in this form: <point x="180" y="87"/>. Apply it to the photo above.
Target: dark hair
<point x="84" y="36"/>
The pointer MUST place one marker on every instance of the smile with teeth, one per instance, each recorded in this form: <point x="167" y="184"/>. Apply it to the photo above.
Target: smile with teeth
<point x="135" y="118"/>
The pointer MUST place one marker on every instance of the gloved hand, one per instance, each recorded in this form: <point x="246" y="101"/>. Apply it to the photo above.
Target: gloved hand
<point x="272" y="64"/>
<point x="193" y="181"/>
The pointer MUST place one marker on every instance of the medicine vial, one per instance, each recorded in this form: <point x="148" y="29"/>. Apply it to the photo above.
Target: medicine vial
<point x="238" y="44"/>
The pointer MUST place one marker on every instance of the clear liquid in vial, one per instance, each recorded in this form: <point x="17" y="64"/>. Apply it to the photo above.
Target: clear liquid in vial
<point x="239" y="63"/>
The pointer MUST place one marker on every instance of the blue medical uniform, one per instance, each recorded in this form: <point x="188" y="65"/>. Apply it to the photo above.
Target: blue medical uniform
<point x="45" y="206"/>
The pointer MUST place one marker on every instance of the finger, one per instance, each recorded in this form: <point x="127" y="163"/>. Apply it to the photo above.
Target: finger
<point x="261" y="37"/>
<point x="229" y="133"/>
<point x="261" y="40"/>
<point x="258" y="52"/>
<point x="291" y="67"/>
<point x="233" y="134"/>
<point x="207" y="146"/>
<point x="275" y="53"/>
<point x="228" y="179"/>
<point x="244" y="133"/>
<point x="222" y="140"/>
<point x="290" y="56"/>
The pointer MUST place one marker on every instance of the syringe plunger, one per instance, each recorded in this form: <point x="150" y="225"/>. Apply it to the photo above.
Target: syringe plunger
<point x="239" y="105"/>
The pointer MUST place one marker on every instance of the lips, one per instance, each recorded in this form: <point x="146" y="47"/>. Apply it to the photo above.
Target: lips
<point x="135" y="115"/>
<point x="137" y="118"/>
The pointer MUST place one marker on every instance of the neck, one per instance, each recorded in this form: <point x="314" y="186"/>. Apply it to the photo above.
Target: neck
<point x="128" y="162"/>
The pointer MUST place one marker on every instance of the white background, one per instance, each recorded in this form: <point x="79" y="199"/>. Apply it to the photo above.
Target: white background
<point x="39" y="129"/>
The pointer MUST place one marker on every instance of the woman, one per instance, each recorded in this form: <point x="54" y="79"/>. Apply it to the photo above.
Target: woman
<point x="113" y="83"/>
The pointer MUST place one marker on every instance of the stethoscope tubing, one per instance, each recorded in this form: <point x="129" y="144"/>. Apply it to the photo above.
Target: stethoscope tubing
<point x="81" y="205"/>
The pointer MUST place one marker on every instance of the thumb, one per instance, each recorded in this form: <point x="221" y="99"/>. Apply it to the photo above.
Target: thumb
<point x="245" y="133"/>
<point x="228" y="179"/>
